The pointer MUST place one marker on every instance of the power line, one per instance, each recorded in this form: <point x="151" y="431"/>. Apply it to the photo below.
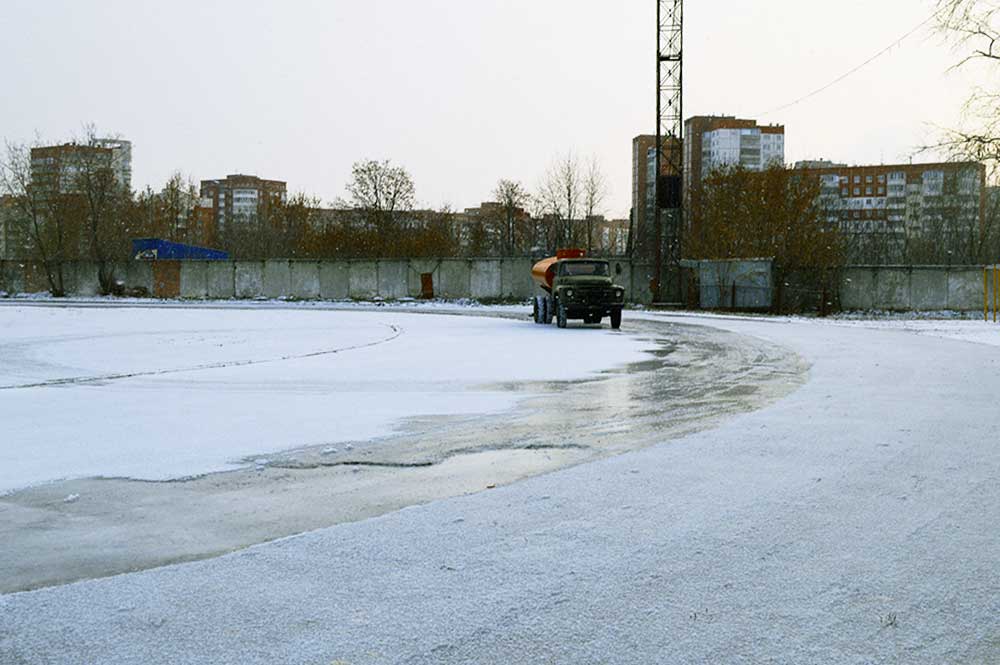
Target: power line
<point x="856" y="69"/>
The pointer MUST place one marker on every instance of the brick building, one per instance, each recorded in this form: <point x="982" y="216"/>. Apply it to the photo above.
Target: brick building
<point x="57" y="169"/>
<point x="236" y="200"/>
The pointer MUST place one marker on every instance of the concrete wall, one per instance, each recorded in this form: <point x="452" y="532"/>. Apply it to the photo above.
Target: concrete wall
<point x="920" y="288"/>
<point x="890" y="288"/>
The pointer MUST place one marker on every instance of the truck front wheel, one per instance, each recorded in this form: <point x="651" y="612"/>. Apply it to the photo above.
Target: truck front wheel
<point x="616" y="319"/>
<point x="561" y="315"/>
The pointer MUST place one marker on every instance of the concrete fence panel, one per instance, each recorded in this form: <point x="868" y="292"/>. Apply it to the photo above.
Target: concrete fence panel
<point x="139" y="275"/>
<point x="928" y="289"/>
<point x="454" y="279"/>
<point x="965" y="289"/>
<point x="515" y="278"/>
<point x="277" y="278"/>
<point x="857" y="290"/>
<point x="249" y="277"/>
<point x="418" y="268"/>
<point x="485" y="279"/>
<point x="363" y="279"/>
<point x="892" y="289"/>
<point x="304" y="280"/>
<point x="220" y="279"/>
<point x="334" y="280"/>
<point x="393" y="279"/>
<point x="194" y="279"/>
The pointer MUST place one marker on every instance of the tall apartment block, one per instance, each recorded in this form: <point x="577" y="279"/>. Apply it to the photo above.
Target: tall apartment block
<point x="57" y="169"/>
<point x="238" y="199"/>
<point x="887" y="211"/>
<point x="711" y="142"/>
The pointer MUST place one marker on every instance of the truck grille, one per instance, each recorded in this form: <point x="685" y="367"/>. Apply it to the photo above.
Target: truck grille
<point x="595" y="296"/>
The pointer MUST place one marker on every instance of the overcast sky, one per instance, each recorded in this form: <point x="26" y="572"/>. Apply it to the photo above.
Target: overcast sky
<point x="460" y="92"/>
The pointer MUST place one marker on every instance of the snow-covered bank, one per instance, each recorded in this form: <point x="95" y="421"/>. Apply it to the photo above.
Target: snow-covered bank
<point x="977" y="331"/>
<point x="168" y="392"/>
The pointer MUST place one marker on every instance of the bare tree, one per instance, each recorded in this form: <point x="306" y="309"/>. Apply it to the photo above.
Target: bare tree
<point x="561" y="193"/>
<point x="513" y="199"/>
<point x="381" y="191"/>
<point x="595" y="190"/>
<point x="177" y="202"/>
<point x="41" y="215"/>
<point x="974" y="27"/>
<point x="97" y="181"/>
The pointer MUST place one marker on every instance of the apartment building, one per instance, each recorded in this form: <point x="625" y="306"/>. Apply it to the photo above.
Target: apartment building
<point x="236" y="200"/>
<point x="57" y="169"/>
<point x="905" y="212"/>
<point x="712" y="142"/>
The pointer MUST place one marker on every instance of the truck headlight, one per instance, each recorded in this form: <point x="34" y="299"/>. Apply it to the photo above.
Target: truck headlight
<point x="620" y="293"/>
<point x="569" y="293"/>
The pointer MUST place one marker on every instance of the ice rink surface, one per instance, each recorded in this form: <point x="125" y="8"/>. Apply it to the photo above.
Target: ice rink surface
<point x="161" y="393"/>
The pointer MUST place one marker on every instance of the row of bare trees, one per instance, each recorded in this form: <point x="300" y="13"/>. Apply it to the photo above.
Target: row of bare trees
<point x="84" y="210"/>
<point x="378" y="215"/>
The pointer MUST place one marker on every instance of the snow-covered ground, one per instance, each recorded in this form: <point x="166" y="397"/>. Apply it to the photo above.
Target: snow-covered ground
<point x="160" y="393"/>
<point x="978" y="331"/>
<point x="854" y="521"/>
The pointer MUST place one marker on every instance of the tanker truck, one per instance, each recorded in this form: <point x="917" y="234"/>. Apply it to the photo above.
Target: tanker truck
<point x="575" y="287"/>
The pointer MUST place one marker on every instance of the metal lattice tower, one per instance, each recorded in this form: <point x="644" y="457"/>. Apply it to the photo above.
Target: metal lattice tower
<point x="668" y="214"/>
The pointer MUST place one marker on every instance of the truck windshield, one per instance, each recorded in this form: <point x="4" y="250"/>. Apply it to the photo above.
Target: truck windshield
<point x="576" y="268"/>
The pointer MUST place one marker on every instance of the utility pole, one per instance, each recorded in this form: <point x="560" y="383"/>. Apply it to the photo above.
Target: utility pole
<point x="668" y="197"/>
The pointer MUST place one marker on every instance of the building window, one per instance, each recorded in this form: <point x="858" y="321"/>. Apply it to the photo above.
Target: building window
<point x="881" y="179"/>
<point x="857" y="180"/>
<point x="868" y="179"/>
<point x="868" y="191"/>
<point x="844" y="192"/>
<point x="857" y="191"/>
<point x="881" y="191"/>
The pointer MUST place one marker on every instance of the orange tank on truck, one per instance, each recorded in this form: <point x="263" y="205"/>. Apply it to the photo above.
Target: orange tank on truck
<point x="574" y="286"/>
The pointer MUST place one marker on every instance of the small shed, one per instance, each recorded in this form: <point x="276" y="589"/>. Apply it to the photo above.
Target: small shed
<point x="739" y="284"/>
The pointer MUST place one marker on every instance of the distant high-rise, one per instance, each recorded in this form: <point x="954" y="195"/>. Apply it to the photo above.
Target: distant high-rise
<point x="239" y="199"/>
<point x="711" y="142"/>
<point x="57" y="169"/>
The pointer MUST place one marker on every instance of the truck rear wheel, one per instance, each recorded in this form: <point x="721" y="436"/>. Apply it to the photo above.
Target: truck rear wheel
<point x="561" y="315"/>
<point x="548" y="310"/>
<point x="536" y="310"/>
<point x="616" y="319"/>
